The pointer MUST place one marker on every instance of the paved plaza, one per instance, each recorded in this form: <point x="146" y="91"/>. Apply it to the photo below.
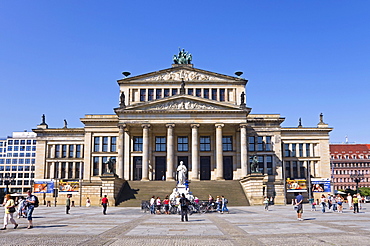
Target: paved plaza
<point x="243" y="226"/>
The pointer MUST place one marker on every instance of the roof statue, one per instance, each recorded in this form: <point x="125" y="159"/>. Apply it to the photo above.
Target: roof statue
<point x="183" y="57"/>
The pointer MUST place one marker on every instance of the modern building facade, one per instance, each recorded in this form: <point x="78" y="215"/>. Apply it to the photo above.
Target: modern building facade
<point x="17" y="161"/>
<point x="349" y="161"/>
<point x="184" y="114"/>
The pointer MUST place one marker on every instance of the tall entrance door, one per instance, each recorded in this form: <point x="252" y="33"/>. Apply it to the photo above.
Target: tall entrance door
<point x="205" y="168"/>
<point x="184" y="159"/>
<point x="138" y="174"/>
<point x="228" y="167"/>
<point x="160" y="167"/>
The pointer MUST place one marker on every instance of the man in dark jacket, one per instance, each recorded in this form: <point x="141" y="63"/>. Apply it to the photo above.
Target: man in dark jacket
<point x="184" y="202"/>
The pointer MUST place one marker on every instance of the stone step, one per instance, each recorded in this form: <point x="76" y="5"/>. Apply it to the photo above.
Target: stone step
<point x="136" y="191"/>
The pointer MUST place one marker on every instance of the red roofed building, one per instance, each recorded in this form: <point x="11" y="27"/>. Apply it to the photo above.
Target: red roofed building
<point x="347" y="159"/>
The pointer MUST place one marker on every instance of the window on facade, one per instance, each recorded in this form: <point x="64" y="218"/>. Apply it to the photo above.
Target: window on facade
<point x="96" y="144"/>
<point x="16" y="142"/>
<point x="113" y="144"/>
<point x="295" y="169"/>
<point x="10" y="142"/>
<point x="70" y="170"/>
<point x="300" y="149"/>
<point x="56" y="170"/>
<point x="10" y="148"/>
<point x="64" y="151"/>
<point x="71" y="150"/>
<point x="251" y="144"/>
<point x="14" y="161"/>
<point x="96" y="166"/>
<point x="150" y="94"/>
<point x="23" y="142"/>
<point x="158" y="93"/>
<point x="227" y="143"/>
<point x="29" y="142"/>
<point x="269" y="164"/>
<point x="34" y="142"/>
<point x="21" y="161"/>
<point x="33" y="148"/>
<point x="77" y="172"/>
<point x="166" y="92"/>
<point x="78" y="151"/>
<point x="142" y="95"/>
<point x="20" y="175"/>
<point x="214" y="94"/>
<point x="261" y="164"/>
<point x="294" y="150"/>
<point x="198" y="92"/>
<point x="268" y="143"/>
<point x="205" y="143"/>
<point x="302" y="170"/>
<point x="206" y="93"/>
<point x="105" y="144"/>
<point x="16" y="148"/>
<point x="259" y="143"/>
<point x="174" y="92"/>
<point x="222" y="95"/>
<point x="160" y="143"/>
<point x="28" y="154"/>
<point x="182" y="144"/>
<point x="63" y="170"/>
<point x="190" y="92"/>
<point x="138" y="143"/>
<point x="308" y="150"/>
<point x="28" y="148"/>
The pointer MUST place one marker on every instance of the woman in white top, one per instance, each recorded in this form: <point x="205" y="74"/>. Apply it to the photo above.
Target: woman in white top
<point x="9" y="211"/>
<point x="349" y="200"/>
<point x="323" y="203"/>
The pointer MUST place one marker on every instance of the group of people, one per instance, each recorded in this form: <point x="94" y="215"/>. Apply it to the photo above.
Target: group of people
<point x="220" y="203"/>
<point x="332" y="202"/>
<point x="25" y="207"/>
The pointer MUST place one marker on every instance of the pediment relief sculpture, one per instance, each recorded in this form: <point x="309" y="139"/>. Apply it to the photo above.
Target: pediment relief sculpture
<point x="182" y="104"/>
<point x="185" y="75"/>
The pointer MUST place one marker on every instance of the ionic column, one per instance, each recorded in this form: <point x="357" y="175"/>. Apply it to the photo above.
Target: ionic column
<point x="120" y="152"/>
<point x="243" y="150"/>
<point x="194" y="151"/>
<point x="145" y="170"/>
<point x="170" y="152"/>
<point x="219" y="156"/>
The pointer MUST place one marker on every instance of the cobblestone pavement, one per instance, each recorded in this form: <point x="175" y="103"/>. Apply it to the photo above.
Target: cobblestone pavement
<point x="243" y="226"/>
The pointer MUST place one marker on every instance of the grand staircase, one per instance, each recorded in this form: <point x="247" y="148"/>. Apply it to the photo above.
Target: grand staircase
<point x="133" y="192"/>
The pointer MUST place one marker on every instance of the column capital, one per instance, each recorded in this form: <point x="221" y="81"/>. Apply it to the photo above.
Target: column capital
<point x="244" y="125"/>
<point x="145" y="126"/>
<point x="194" y="125"/>
<point x="124" y="127"/>
<point x="219" y="125"/>
<point x="170" y="125"/>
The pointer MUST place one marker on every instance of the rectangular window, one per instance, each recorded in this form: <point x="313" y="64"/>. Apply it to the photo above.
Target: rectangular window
<point x="26" y="182"/>
<point x="138" y="143"/>
<point x="158" y="93"/>
<point x="182" y="144"/>
<point x="300" y="148"/>
<point x="56" y="170"/>
<point x="1" y="161"/>
<point x="10" y="142"/>
<point x="57" y="151"/>
<point x="34" y="142"/>
<point x="174" y="92"/>
<point x="214" y="94"/>
<point x="29" y="142"/>
<point x="15" y="155"/>
<point x="251" y="144"/>
<point x="150" y="94"/>
<point x="222" y="95"/>
<point x="96" y="166"/>
<point x="105" y="144"/>
<point x="198" y="92"/>
<point x="302" y="170"/>
<point x="160" y="143"/>
<point x="261" y="164"/>
<point x="268" y="143"/>
<point x="113" y="144"/>
<point x="7" y="168"/>
<point x="77" y="171"/>
<point x="19" y="182"/>
<point x="27" y="168"/>
<point x="20" y="175"/>
<point x="28" y="148"/>
<point x="14" y="161"/>
<point x="23" y="142"/>
<point x="7" y="161"/>
<point x="64" y="168"/>
<point x="227" y="143"/>
<point x="308" y="150"/>
<point x="259" y="143"/>
<point x="287" y="169"/>
<point x="294" y="150"/>
<point x="64" y="151"/>
<point x="10" y="148"/>
<point x="28" y="154"/>
<point x="70" y="170"/>
<point x="21" y="161"/>
<point x="14" y="168"/>
<point x="205" y="143"/>
<point x="166" y="92"/>
<point x="295" y="169"/>
<point x="286" y="150"/>
<point x="78" y="151"/>
<point x="206" y="93"/>
<point x="142" y="95"/>
<point x="190" y="92"/>
<point x="16" y="148"/>
<point x="269" y="164"/>
<point x="96" y="144"/>
<point x="71" y="150"/>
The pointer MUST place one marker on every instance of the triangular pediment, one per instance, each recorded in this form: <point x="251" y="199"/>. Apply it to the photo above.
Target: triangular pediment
<point x="179" y="73"/>
<point x="183" y="103"/>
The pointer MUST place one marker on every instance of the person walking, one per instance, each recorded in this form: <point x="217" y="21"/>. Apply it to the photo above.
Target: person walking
<point x="152" y="205"/>
<point x="166" y="204"/>
<point x="224" y="205"/>
<point x="184" y="202"/>
<point x="88" y="202"/>
<point x="298" y="203"/>
<point x="266" y="203"/>
<point x="355" y="205"/>
<point x="68" y="204"/>
<point x="29" y="206"/>
<point x="323" y="203"/>
<point x="104" y="203"/>
<point x="340" y="203"/>
<point x="349" y="200"/>
<point x="9" y="211"/>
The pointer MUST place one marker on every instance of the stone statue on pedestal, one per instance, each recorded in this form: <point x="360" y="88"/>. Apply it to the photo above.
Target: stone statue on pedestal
<point x="109" y="165"/>
<point x="254" y="165"/>
<point x="181" y="173"/>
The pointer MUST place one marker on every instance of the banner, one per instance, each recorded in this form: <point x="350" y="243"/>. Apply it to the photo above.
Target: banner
<point x="69" y="185"/>
<point x="43" y="186"/>
<point x="296" y="185"/>
<point x="320" y="185"/>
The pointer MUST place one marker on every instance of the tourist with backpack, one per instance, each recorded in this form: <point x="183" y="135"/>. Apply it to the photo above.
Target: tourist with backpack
<point x="224" y="205"/>
<point x="30" y="204"/>
<point x="184" y="203"/>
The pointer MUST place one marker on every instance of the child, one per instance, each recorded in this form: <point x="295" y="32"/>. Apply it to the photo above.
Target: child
<point x="266" y="203"/>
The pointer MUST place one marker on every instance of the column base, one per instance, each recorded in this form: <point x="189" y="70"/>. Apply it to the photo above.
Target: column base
<point x="195" y="179"/>
<point x="220" y="179"/>
<point x="170" y="179"/>
<point x="144" y="179"/>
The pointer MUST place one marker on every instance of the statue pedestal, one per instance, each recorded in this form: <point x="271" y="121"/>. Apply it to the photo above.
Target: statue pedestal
<point x="111" y="186"/>
<point x="253" y="188"/>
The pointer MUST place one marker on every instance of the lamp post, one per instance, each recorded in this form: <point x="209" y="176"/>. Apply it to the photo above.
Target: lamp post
<point x="7" y="181"/>
<point x="357" y="177"/>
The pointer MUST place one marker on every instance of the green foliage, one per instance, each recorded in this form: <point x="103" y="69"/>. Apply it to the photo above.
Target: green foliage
<point x="364" y="191"/>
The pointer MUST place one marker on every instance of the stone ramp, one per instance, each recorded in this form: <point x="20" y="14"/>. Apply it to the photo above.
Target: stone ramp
<point x="136" y="191"/>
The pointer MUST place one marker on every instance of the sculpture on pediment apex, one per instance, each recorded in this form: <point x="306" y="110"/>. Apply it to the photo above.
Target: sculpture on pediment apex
<point x="122" y="100"/>
<point x="183" y="57"/>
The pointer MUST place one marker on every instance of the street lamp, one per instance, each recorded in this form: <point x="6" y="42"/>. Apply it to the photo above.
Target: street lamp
<point x="357" y="177"/>
<point x="7" y="181"/>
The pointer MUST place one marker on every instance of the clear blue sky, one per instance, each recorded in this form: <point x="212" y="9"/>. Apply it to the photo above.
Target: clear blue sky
<point x="302" y="58"/>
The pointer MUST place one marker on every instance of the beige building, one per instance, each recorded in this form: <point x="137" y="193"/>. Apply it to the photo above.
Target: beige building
<point x="183" y="114"/>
